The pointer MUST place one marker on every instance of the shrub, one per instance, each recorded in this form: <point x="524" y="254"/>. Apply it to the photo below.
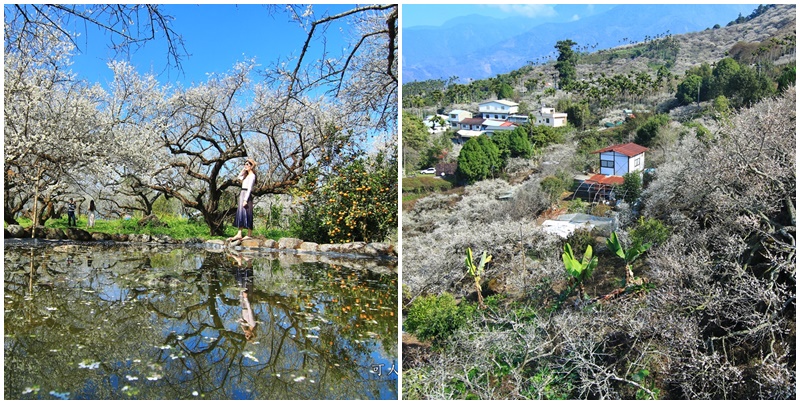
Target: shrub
<point x="579" y="240"/>
<point x="577" y="206"/>
<point x="436" y="317"/>
<point x="631" y="187"/>
<point x="646" y="134"/>
<point x="553" y="187"/>
<point x="651" y="230"/>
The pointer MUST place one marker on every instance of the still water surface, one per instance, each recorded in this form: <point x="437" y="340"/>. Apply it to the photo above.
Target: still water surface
<point x="100" y="322"/>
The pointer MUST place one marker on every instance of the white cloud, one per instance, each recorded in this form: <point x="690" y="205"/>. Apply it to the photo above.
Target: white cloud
<point x="576" y="17"/>
<point x="527" y="10"/>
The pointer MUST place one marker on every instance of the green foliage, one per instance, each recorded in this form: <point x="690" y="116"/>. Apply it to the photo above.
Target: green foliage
<point x="513" y="144"/>
<point x="576" y="206"/>
<point x="435" y="318"/>
<point x="549" y="385"/>
<point x="647" y="132"/>
<point x="650" y="231"/>
<point x="579" y="114"/>
<point x="738" y="82"/>
<point x="553" y="186"/>
<point x="629" y="256"/>
<point x="721" y="105"/>
<point x="440" y="146"/>
<point x="566" y="62"/>
<point x="642" y="377"/>
<point x="580" y="271"/>
<point x="747" y="87"/>
<point x="479" y="159"/>
<point x="357" y="202"/>
<point x="788" y="77"/>
<point x="475" y="271"/>
<point x="689" y="89"/>
<point x="163" y="206"/>
<point x="415" y="134"/>
<point x="701" y="132"/>
<point x="425" y="184"/>
<point x="580" y="239"/>
<point x="504" y="91"/>
<point x="631" y="187"/>
<point x="542" y="136"/>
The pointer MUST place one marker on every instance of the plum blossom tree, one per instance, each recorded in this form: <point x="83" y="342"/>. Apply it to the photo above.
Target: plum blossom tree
<point x="52" y="122"/>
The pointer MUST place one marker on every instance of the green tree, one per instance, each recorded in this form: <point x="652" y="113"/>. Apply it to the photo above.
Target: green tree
<point x="721" y="105"/>
<point x="496" y="163"/>
<point x="415" y="134"/>
<point x="520" y="145"/>
<point x="473" y="163"/>
<point x="788" y="77"/>
<point x="747" y="87"/>
<point x="553" y="187"/>
<point x="579" y="114"/>
<point x="647" y="132"/>
<point x="504" y="91"/>
<point x="440" y="146"/>
<point x="689" y="89"/>
<point x="631" y="186"/>
<point x="723" y="72"/>
<point x="566" y="62"/>
<point x="357" y="203"/>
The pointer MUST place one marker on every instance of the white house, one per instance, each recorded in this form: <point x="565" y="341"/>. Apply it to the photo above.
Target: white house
<point x="474" y="127"/>
<point x="549" y="117"/>
<point x="471" y="124"/>
<point x="621" y="159"/>
<point x="457" y="115"/>
<point x="498" y="109"/>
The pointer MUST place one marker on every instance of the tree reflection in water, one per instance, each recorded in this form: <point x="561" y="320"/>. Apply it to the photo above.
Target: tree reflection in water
<point x="111" y="322"/>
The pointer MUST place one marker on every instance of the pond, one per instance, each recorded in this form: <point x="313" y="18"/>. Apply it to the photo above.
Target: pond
<point x="89" y="321"/>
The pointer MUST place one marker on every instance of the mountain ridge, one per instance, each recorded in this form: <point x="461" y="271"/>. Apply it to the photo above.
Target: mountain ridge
<point x="491" y="52"/>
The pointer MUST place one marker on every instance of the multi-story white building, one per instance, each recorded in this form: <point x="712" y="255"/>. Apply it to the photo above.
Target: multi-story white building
<point x="549" y="117"/>
<point x="498" y="109"/>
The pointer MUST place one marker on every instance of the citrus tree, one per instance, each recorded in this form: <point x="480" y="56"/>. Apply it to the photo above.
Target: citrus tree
<point x="357" y="202"/>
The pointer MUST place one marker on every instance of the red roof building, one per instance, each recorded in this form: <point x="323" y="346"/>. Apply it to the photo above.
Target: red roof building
<point x="628" y="149"/>
<point x="621" y="159"/>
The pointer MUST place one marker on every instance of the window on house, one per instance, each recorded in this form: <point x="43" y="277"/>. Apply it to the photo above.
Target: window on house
<point x="548" y="120"/>
<point x="607" y="163"/>
<point x="636" y="162"/>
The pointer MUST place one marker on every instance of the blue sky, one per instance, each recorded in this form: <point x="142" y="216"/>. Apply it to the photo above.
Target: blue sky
<point x="215" y="37"/>
<point x="438" y="14"/>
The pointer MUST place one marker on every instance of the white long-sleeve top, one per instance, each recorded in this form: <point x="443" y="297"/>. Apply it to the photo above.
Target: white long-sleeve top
<point x="247" y="183"/>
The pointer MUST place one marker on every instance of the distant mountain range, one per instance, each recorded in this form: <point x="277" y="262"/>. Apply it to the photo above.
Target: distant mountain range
<point x="476" y="47"/>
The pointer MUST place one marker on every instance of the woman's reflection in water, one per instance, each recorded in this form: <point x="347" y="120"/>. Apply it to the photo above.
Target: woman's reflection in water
<point x="244" y="278"/>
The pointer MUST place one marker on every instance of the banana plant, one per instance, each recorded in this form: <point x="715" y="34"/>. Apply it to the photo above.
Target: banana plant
<point x="475" y="271"/>
<point x="579" y="270"/>
<point x="628" y="255"/>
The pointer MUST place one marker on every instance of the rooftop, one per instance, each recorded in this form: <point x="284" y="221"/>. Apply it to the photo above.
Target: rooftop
<point x="628" y="149"/>
<point x="504" y="102"/>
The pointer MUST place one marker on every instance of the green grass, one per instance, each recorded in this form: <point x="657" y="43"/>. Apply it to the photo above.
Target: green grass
<point x="178" y="228"/>
<point x="422" y="185"/>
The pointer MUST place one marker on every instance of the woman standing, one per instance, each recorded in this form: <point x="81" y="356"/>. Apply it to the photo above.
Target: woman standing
<point x="92" y="208"/>
<point x="244" y="212"/>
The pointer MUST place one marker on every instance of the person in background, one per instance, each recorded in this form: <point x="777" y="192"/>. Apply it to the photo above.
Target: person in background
<point x="92" y="210"/>
<point x="71" y="220"/>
